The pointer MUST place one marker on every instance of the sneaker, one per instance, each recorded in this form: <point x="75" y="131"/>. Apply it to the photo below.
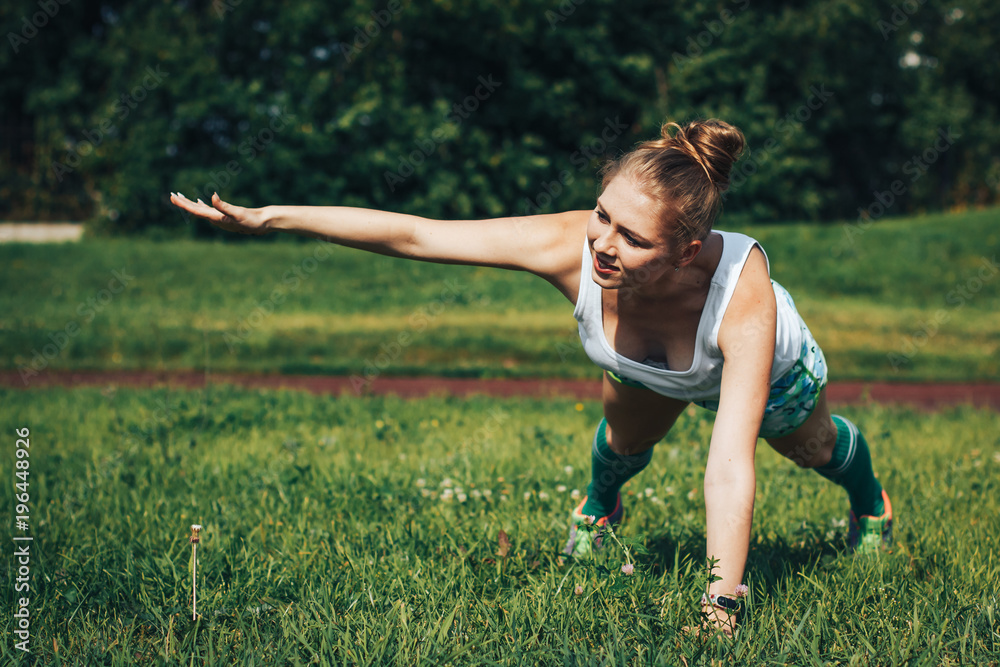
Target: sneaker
<point x="583" y="542"/>
<point x="869" y="534"/>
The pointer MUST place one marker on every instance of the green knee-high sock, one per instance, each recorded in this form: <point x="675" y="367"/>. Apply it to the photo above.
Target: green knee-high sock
<point x="851" y="468"/>
<point x="608" y="472"/>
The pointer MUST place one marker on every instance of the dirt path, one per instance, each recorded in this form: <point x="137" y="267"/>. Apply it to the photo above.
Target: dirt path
<point x="926" y="396"/>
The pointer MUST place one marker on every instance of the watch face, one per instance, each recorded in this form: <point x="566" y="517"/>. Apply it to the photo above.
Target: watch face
<point x="727" y="603"/>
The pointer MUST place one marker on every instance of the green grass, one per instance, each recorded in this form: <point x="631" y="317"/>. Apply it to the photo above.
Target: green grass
<point x="881" y="300"/>
<point x="328" y="539"/>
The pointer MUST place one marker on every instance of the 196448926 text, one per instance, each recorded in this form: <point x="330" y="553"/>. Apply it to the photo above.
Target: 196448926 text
<point x="22" y="541"/>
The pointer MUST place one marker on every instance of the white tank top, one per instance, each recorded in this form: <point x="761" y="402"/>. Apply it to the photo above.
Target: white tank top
<point x="703" y="381"/>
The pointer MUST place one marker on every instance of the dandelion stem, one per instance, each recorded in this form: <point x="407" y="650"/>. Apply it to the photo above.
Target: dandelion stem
<point x="194" y="581"/>
<point x="195" y="529"/>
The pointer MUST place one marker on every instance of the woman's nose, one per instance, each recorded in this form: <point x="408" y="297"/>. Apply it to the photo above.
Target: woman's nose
<point x="603" y="243"/>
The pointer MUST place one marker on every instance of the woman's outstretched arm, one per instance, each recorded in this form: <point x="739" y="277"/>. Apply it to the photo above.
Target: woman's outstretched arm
<point x="546" y="245"/>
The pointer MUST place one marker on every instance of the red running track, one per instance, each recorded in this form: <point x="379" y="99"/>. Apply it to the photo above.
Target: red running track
<point x="926" y="396"/>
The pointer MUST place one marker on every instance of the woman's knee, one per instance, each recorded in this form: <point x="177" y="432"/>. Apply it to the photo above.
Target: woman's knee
<point x="625" y="443"/>
<point x="637" y="419"/>
<point x="811" y="446"/>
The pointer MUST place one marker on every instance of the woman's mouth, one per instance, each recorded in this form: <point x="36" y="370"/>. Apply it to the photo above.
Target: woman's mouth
<point x="603" y="268"/>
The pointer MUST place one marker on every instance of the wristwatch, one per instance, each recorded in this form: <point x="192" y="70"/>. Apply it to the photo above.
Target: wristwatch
<point x="731" y="605"/>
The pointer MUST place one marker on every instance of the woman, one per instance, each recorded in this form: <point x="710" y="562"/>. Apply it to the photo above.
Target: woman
<point x="672" y="311"/>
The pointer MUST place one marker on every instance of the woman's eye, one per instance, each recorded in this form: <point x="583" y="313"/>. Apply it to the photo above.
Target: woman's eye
<point x="629" y="240"/>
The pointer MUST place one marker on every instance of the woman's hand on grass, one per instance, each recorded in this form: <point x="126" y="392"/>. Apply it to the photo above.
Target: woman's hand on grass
<point x="225" y="216"/>
<point x="714" y="620"/>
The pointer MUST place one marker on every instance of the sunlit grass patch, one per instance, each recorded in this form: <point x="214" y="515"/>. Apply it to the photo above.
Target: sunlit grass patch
<point x="363" y="531"/>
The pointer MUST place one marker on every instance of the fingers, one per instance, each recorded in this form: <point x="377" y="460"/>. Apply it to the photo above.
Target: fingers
<point x="220" y="205"/>
<point x="199" y="208"/>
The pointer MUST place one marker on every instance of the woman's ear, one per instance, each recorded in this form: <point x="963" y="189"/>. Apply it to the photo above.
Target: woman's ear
<point x="689" y="253"/>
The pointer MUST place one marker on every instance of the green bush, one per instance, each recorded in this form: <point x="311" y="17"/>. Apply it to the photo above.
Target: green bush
<point x="375" y="104"/>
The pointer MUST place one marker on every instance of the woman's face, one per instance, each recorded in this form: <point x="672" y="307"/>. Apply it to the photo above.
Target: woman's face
<point x="626" y="235"/>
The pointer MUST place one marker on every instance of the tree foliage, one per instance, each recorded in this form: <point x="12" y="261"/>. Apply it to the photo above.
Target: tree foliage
<point x="469" y="108"/>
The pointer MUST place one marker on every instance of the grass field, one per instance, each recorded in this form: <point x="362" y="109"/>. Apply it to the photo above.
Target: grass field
<point x="366" y="532"/>
<point x="900" y="300"/>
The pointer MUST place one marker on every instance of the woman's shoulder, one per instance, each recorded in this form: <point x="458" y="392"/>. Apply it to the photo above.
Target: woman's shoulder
<point x="737" y="249"/>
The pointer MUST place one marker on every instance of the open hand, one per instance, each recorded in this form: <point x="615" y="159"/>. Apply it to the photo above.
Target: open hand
<point x="225" y="216"/>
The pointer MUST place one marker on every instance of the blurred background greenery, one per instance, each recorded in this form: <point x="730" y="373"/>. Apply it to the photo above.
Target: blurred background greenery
<point x="106" y="106"/>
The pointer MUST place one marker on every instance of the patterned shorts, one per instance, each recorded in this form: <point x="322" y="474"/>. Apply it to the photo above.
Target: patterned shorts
<point x="793" y="396"/>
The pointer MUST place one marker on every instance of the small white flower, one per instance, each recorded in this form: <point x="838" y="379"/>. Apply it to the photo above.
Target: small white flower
<point x="561" y="488"/>
<point x="487" y="493"/>
<point x="421" y="482"/>
<point x="692" y="494"/>
<point x="503" y="498"/>
<point x="446" y="482"/>
<point x="527" y="495"/>
<point x="655" y="499"/>
<point x="462" y="497"/>
<point x="425" y="492"/>
<point x="446" y="494"/>
<point x="575" y="493"/>
<point x="669" y="490"/>
<point x="568" y="470"/>
<point x="476" y="493"/>
<point x="542" y="495"/>
<point x="648" y="492"/>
